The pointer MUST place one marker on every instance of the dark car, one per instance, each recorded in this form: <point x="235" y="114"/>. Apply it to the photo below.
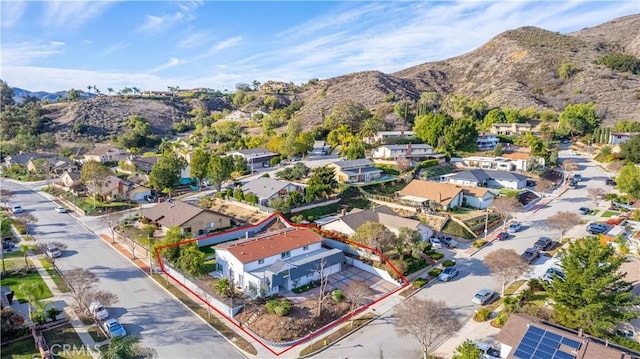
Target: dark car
<point x="530" y="255"/>
<point x="610" y="182"/>
<point x="598" y="228"/>
<point x="8" y="245"/>
<point x="553" y="273"/>
<point x="503" y="236"/>
<point x="543" y="244"/>
<point x="584" y="210"/>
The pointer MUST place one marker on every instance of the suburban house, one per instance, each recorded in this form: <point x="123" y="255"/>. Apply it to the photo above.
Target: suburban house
<point x="348" y="224"/>
<point x="277" y="86"/>
<point x="522" y="160"/>
<point x="70" y="180"/>
<point x="487" y="178"/>
<point x="55" y="165"/>
<point x="114" y="188"/>
<point x="106" y="153"/>
<point x="256" y="157"/>
<point x="414" y="152"/>
<point x="517" y="161"/>
<point x="524" y="336"/>
<point x="355" y="171"/>
<point x="237" y="115"/>
<point x="487" y="141"/>
<point x="389" y="136"/>
<point x="477" y="197"/>
<point x="511" y="129"/>
<point x="21" y="158"/>
<point x="143" y="164"/>
<point x="267" y="189"/>
<point x="616" y="138"/>
<point x="276" y="262"/>
<point x="421" y="192"/>
<point x="191" y="219"/>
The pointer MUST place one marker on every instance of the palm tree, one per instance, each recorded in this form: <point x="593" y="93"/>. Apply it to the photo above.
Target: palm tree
<point x="369" y="128"/>
<point x="110" y="90"/>
<point x="136" y="90"/>
<point x="25" y="249"/>
<point x="89" y="88"/>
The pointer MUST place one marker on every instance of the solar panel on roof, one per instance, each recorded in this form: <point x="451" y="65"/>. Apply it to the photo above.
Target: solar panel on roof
<point x="538" y="343"/>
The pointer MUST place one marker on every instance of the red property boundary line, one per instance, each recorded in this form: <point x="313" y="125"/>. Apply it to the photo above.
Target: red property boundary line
<point x="278" y="215"/>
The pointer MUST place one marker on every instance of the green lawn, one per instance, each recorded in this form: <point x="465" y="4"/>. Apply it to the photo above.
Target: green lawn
<point x="66" y="335"/>
<point x="608" y="214"/>
<point x="22" y="349"/>
<point x="16" y="262"/>
<point x="14" y="281"/>
<point x="60" y="283"/>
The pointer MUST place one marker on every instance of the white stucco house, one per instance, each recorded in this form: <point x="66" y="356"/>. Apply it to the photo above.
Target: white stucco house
<point x="487" y="178"/>
<point x="267" y="189"/>
<point x="275" y="262"/>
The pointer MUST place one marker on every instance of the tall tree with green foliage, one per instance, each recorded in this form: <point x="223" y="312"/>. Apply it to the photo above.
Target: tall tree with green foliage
<point x="354" y="149"/>
<point x="578" y="119"/>
<point x="430" y="127"/>
<point x="628" y="180"/>
<point x="94" y="173"/>
<point x="594" y="295"/>
<point x="630" y="149"/>
<point x="126" y="348"/>
<point x="349" y="113"/>
<point x="461" y="135"/>
<point x="191" y="260"/>
<point x="219" y="170"/>
<point x="468" y="350"/>
<point x="199" y="165"/>
<point x="6" y="94"/>
<point x="165" y="175"/>
<point x="321" y="183"/>
<point x="374" y="235"/>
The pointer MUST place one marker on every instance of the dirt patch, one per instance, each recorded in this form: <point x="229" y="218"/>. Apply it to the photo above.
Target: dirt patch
<point x="300" y="322"/>
<point x="241" y="213"/>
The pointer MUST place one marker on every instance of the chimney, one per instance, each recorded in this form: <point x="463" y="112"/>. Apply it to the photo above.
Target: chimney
<point x="343" y="212"/>
<point x="580" y="333"/>
<point x="408" y="149"/>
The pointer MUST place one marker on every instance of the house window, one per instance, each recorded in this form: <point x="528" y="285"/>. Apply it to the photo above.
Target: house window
<point x="305" y="248"/>
<point x="211" y="225"/>
<point x="285" y="273"/>
<point x="260" y="261"/>
<point x="219" y="267"/>
<point x="286" y="254"/>
<point x="186" y="230"/>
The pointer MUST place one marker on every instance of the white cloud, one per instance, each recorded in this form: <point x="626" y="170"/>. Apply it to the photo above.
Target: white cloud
<point x="56" y="43"/>
<point x="11" y="12"/>
<point x="72" y="13"/>
<point x="171" y="63"/>
<point x="193" y="40"/>
<point x="27" y="52"/>
<point x="222" y="45"/>
<point x="164" y="22"/>
<point x="113" y="48"/>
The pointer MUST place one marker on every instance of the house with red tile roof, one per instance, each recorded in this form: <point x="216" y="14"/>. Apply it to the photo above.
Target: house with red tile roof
<point x="277" y="261"/>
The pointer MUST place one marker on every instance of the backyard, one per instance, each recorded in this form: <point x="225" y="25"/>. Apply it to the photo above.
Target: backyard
<point x="25" y="348"/>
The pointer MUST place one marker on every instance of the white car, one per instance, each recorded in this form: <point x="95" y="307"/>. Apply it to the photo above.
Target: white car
<point x="53" y="251"/>
<point x="98" y="311"/>
<point x="435" y="243"/>
<point x="60" y="209"/>
<point x="114" y="328"/>
<point x="515" y="227"/>
<point x="16" y="208"/>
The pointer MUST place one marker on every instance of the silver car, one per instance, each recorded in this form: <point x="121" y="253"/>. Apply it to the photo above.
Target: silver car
<point x="484" y="296"/>
<point x="448" y="273"/>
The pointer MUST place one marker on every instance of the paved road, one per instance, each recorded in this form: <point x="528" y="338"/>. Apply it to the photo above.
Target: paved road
<point x="380" y="337"/>
<point x="144" y="308"/>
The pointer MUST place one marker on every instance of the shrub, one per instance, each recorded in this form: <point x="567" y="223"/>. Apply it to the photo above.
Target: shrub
<point x="566" y="70"/>
<point x="535" y="285"/>
<point x="479" y="243"/>
<point x="482" y="315"/>
<point x="435" y="272"/>
<point x="500" y="320"/>
<point x="271" y="306"/>
<point x="283" y="308"/>
<point x="448" y="263"/>
<point x="420" y="282"/>
<point x="436" y="255"/>
<point x="526" y="295"/>
<point x="620" y="62"/>
<point x="337" y="295"/>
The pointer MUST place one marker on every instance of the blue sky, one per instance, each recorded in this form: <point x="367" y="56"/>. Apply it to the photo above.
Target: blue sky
<point x="58" y="45"/>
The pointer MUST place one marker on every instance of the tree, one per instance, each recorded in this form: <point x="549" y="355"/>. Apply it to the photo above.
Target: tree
<point x="219" y="170"/>
<point x="468" y="350"/>
<point x="26" y="249"/>
<point x="82" y="282"/>
<point x="321" y="183"/>
<point x="323" y="293"/>
<point x="199" y="165"/>
<point x="505" y="206"/>
<point x="427" y="320"/>
<point x="126" y="348"/>
<point x="563" y="221"/>
<point x="628" y="180"/>
<point x="430" y="127"/>
<point x="358" y="294"/>
<point x="279" y="204"/>
<point x="595" y="193"/>
<point x="494" y="116"/>
<point x="166" y="172"/>
<point x="6" y="94"/>
<point x="105" y="297"/>
<point x="27" y="219"/>
<point x="461" y="135"/>
<point x="94" y="173"/>
<point x="407" y="241"/>
<point x="505" y="265"/>
<point x="354" y="149"/>
<point x="73" y="95"/>
<point x="374" y="235"/>
<point x="594" y="296"/>
<point x="349" y="113"/>
<point x="630" y="149"/>
<point x="191" y="260"/>
<point x="498" y="150"/>
<point x="578" y="119"/>
<point x="370" y="127"/>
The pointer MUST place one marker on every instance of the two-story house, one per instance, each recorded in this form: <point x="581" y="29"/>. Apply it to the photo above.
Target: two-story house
<point x="389" y="136"/>
<point x="267" y="189"/>
<point x="113" y="188"/>
<point x="487" y="141"/>
<point x="276" y="262"/>
<point x="255" y="157"/>
<point x="54" y="165"/>
<point x="355" y="171"/>
<point x="510" y="129"/>
<point x="106" y="153"/>
<point x="414" y="152"/>
<point x="190" y="218"/>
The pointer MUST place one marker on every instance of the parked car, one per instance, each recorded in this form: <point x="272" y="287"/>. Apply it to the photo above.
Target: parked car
<point x="150" y="198"/>
<point x="435" y="243"/>
<point x="8" y="245"/>
<point x="60" y="209"/>
<point x="584" y="210"/>
<point x="98" y="311"/>
<point x="578" y="178"/>
<point x="448" y="241"/>
<point x="543" y="244"/>
<point x="484" y="296"/>
<point x="448" y="273"/>
<point x="530" y="255"/>
<point x="610" y="182"/>
<point x="503" y="236"/>
<point x="114" y="328"/>
<point x="488" y="352"/>
<point x="598" y="228"/>
<point x="53" y="251"/>
<point x="514" y="227"/>
<point x="553" y="273"/>
<point x="573" y="184"/>
<point x="16" y="208"/>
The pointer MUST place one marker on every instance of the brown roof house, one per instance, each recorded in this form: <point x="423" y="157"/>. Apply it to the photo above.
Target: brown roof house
<point x="54" y="165"/>
<point x="113" y="188"/>
<point x="106" y="153"/>
<point x="70" y="179"/>
<point x="190" y="218"/>
<point x="275" y="262"/>
<point x="527" y="337"/>
<point x="446" y="195"/>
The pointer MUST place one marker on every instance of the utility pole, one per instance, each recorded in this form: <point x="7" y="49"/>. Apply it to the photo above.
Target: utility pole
<point x="486" y="222"/>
